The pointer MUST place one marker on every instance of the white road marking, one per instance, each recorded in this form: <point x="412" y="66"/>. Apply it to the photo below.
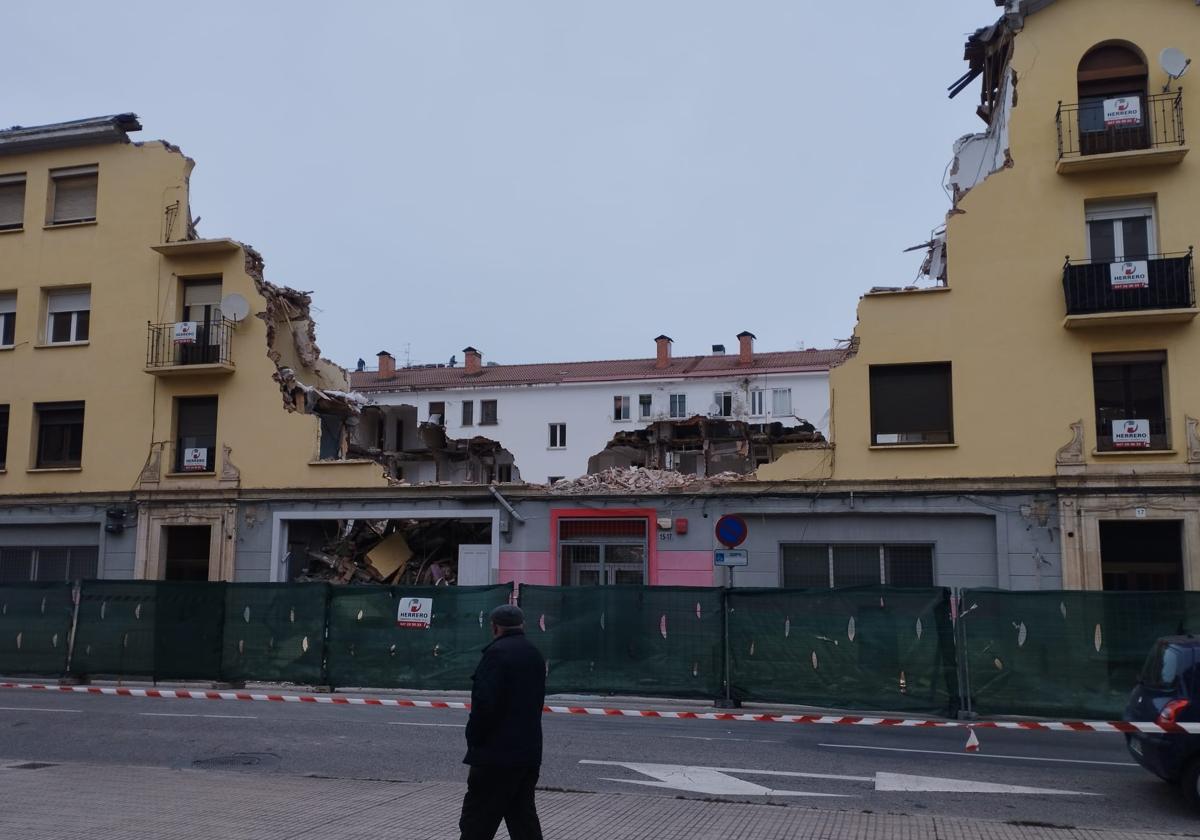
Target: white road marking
<point x="36" y="709"/>
<point x="701" y="738"/>
<point x="178" y="714"/>
<point x="980" y="755"/>
<point x="898" y="782"/>
<point x="716" y="781"/>
<point x="407" y="723"/>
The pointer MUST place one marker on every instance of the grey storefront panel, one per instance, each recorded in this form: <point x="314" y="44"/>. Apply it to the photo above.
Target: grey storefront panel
<point x="50" y="534"/>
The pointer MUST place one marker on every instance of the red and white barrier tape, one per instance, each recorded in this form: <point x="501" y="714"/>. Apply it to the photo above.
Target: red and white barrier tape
<point x="837" y="720"/>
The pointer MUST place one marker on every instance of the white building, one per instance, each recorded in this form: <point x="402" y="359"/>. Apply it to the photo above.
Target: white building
<point x="551" y="418"/>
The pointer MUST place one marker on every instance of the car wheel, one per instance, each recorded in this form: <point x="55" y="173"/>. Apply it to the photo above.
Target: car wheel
<point x="1189" y="783"/>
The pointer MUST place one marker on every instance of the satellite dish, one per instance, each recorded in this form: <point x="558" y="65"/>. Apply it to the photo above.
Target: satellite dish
<point x="1174" y="63"/>
<point x="234" y="307"/>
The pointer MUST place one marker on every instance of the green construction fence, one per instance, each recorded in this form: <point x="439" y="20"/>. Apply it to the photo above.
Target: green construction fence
<point x="35" y="628"/>
<point x="627" y="639"/>
<point x="862" y="648"/>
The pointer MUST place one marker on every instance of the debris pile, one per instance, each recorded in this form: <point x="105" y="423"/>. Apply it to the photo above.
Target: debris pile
<point x="637" y="480"/>
<point x="382" y="551"/>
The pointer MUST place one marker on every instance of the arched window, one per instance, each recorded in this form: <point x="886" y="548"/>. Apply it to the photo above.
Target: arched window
<point x="1113" y="107"/>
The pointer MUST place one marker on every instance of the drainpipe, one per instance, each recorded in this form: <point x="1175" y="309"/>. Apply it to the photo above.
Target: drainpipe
<point x="512" y="511"/>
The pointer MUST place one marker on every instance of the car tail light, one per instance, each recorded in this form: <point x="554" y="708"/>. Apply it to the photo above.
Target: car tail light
<point x="1171" y="711"/>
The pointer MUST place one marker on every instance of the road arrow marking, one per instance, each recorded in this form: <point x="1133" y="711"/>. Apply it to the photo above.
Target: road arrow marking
<point x="898" y="782"/>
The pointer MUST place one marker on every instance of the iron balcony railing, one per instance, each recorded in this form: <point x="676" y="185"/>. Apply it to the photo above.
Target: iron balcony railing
<point x="1160" y="281"/>
<point x="1086" y="128"/>
<point x="189" y="343"/>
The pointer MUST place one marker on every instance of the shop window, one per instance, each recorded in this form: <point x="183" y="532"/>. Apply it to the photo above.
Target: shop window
<point x="49" y="564"/>
<point x="60" y="435"/>
<point x="196" y="434"/>
<point x="68" y="316"/>
<point x="911" y="404"/>
<point x="12" y="201"/>
<point x="823" y="566"/>
<point x="73" y="195"/>
<point x="602" y="552"/>
<point x="1131" y="404"/>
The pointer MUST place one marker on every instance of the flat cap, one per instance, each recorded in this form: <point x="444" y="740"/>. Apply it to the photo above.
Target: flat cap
<point x="507" y="615"/>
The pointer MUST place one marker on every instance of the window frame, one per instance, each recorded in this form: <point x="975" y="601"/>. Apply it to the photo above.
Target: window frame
<point x="439" y="413"/>
<point x="720" y="399"/>
<point x="11" y="179"/>
<point x="1103" y="430"/>
<point x="5" y="414"/>
<point x="74" y="330"/>
<point x="776" y="409"/>
<point x="61" y="174"/>
<point x="557" y="438"/>
<point x="757" y="402"/>
<point x="468" y="413"/>
<point x="677" y="405"/>
<point x="1119" y="211"/>
<point x="925" y="434"/>
<point x="489" y="412"/>
<point x="8" y="320"/>
<point x="645" y="406"/>
<point x="621" y="408"/>
<point x="885" y="560"/>
<point x="211" y="460"/>
<point x="34" y="558"/>
<point x="68" y="443"/>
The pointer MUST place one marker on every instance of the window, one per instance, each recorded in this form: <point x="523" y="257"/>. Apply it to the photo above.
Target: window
<point x="8" y="319"/>
<point x="598" y="552"/>
<point x="645" y="404"/>
<point x="1131" y="405"/>
<point x="333" y="433"/>
<point x="1108" y="74"/>
<point x="73" y="195"/>
<point x="12" y="202"/>
<point x="196" y="434"/>
<point x="911" y="404"/>
<point x="558" y="435"/>
<point x="202" y="306"/>
<point x="781" y="402"/>
<point x="3" y="437"/>
<point x="1120" y="231"/>
<point x="437" y="413"/>
<point x="810" y="566"/>
<point x="679" y="405"/>
<point x="620" y="408"/>
<point x="503" y="474"/>
<point x="723" y="404"/>
<point x="488" y="413"/>
<point x="60" y="435"/>
<point x="756" y="404"/>
<point x="68" y="316"/>
<point x="468" y="413"/>
<point x="24" y="565"/>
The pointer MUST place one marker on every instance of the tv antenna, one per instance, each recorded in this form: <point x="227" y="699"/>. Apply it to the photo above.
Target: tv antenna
<point x="1174" y="64"/>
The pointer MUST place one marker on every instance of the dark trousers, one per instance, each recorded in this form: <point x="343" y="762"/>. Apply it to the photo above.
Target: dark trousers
<point x="500" y="793"/>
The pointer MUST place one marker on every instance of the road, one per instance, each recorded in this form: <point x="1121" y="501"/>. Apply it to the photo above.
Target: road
<point x="1066" y="779"/>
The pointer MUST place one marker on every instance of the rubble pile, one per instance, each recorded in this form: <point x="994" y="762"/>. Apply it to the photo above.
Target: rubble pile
<point x="370" y="551"/>
<point x="638" y="480"/>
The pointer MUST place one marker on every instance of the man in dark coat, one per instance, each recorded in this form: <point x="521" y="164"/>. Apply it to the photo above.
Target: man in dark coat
<point x="504" y="734"/>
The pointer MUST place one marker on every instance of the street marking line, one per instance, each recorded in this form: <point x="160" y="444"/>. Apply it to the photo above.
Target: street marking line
<point x="979" y="755"/>
<point x="37" y="709"/>
<point x="702" y="738"/>
<point x="184" y="715"/>
<point x="837" y="720"/>
<point x="411" y="723"/>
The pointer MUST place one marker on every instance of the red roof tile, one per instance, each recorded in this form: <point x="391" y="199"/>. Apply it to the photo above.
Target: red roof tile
<point x="433" y="378"/>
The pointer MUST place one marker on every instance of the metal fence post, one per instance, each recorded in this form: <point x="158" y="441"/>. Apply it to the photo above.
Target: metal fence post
<point x="727" y="701"/>
<point x="966" y="709"/>
<point x="76" y="596"/>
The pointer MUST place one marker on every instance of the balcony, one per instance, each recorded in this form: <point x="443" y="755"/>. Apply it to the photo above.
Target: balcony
<point x="1092" y="139"/>
<point x="1159" y="289"/>
<point x="189" y="348"/>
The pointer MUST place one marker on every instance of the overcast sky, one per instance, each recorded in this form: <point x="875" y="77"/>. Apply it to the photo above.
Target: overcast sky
<point x="542" y="179"/>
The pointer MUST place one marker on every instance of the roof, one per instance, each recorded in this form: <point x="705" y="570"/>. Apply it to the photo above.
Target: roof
<point x="557" y="373"/>
<point x="85" y="132"/>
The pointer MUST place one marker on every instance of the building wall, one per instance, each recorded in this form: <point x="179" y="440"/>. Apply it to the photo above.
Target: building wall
<point x="525" y="412"/>
<point x="1019" y="377"/>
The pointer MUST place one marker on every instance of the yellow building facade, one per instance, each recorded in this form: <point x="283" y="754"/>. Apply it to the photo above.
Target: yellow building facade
<point x="1056" y="347"/>
<point x="149" y="378"/>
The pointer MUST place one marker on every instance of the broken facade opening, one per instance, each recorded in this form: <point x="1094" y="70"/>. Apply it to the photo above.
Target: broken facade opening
<point x="415" y="452"/>
<point x="399" y="552"/>
<point x="704" y="446"/>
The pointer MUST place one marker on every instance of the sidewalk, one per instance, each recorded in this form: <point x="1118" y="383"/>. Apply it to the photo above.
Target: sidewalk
<point x="86" y="802"/>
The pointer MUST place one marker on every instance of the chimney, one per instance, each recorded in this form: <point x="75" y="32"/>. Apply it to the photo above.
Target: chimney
<point x="746" y="348"/>
<point x="387" y="365"/>
<point x="664" y="352"/>
<point x="473" y="360"/>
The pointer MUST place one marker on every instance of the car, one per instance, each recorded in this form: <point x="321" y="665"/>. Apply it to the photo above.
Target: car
<point x="1168" y="691"/>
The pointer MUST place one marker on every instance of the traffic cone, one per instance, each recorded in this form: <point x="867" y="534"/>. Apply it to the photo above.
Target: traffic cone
<point x="972" y="742"/>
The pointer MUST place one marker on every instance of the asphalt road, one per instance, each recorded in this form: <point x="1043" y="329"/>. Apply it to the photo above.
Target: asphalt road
<point x="909" y="771"/>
